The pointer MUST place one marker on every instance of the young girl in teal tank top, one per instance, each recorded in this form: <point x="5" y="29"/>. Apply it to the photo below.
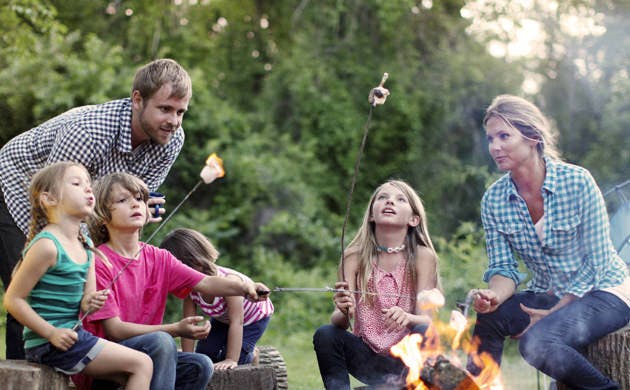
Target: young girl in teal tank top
<point x="55" y="281"/>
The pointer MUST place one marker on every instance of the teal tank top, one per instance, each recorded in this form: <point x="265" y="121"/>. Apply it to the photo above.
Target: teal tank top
<point x="57" y="295"/>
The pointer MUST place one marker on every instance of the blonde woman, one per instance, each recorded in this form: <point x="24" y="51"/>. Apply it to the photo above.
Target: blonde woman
<point x="390" y="260"/>
<point x="552" y="216"/>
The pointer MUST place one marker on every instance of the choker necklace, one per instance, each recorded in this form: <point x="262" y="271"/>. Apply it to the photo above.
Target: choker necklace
<point x="387" y="249"/>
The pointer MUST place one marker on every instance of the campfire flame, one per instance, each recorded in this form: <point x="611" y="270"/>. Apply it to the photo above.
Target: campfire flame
<point x="213" y="169"/>
<point x="417" y="351"/>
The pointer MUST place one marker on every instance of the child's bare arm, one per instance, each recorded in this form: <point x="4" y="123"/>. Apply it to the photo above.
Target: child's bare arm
<point x="189" y="309"/>
<point x="235" y="333"/>
<point x="220" y="286"/>
<point x="117" y="329"/>
<point x="41" y="256"/>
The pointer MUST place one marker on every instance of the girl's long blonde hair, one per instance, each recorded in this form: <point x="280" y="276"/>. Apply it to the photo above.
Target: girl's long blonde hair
<point x="48" y="179"/>
<point x="364" y="244"/>
<point x="193" y="249"/>
<point x="102" y="192"/>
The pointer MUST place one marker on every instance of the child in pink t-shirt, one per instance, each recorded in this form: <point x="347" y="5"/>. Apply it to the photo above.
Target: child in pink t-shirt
<point x="391" y="259"/>
<point x="237" y="323"/>
<point x="143" y="276"/>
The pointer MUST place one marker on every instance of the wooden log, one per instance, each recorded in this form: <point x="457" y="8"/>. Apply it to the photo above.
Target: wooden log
<point x="245" y="376"/>
<point x="20" y="375"/>
<point x="611" y="355"/>
<point x="270" y="356"/>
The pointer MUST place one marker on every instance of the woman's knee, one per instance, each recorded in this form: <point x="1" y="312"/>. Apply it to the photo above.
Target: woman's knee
<point x="532" y="347"/>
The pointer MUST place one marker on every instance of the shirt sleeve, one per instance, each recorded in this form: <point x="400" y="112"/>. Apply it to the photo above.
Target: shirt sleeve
<point x="594" y="233"/>
<point x="181" y="278"/>
<point x="501" y="260"/>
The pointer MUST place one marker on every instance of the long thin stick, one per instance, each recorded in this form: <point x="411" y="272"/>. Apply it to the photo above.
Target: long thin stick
<point x="334" y="290"/>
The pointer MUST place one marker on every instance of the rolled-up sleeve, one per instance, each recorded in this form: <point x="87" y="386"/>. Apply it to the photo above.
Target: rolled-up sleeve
<point x="501" y="259"/>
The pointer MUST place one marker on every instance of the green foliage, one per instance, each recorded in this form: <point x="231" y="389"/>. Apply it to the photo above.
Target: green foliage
<point x="280" y="93"/>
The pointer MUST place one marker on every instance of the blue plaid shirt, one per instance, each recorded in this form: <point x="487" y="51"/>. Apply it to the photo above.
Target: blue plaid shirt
<point x="98" y="136"/>
<point x="576" y="255"/>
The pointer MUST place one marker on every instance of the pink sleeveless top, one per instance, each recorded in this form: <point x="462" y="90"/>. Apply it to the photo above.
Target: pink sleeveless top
<point x="393" y="291"/>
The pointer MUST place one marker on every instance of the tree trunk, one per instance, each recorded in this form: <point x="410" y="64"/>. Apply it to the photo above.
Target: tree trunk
<point x="611" y="355"/>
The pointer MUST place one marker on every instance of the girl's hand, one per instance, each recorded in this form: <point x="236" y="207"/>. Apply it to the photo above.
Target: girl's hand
<point x="188" y="328"/>
<point x="395" y="318"/>
<point x="535" y="315"/>
<point x="344" y="300"/>
<point x="485" y="301"/>
<point x="96" y="300"/>
<point x="63" y="338"/>
<point x="225" y="364"/>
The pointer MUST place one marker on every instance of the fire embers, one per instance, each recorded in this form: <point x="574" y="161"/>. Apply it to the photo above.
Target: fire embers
<point x="441" y="374"/>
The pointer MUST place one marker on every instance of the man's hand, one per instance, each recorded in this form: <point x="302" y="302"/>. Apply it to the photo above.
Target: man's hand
<point x="153" y="204"/>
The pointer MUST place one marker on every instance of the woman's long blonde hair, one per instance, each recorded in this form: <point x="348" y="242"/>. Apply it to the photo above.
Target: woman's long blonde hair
<point x="364" y="244"/>
<point x="102" y="192"/>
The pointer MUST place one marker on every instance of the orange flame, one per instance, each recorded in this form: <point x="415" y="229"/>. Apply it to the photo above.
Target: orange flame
<point x="213" y="169"/>
<point x="414" y="351"/>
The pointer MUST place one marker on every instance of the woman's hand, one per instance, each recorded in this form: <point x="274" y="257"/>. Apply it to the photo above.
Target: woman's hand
<point x="395" y="318"/>
<point x="344" y="300"/>
<point x="225" y="364"/>
<point x="485" y="301"/>
<point x="63" y="338"/>
<point x="535" y="315"/>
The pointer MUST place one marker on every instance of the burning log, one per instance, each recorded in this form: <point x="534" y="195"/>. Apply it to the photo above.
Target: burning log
<point x="441" y="374"/>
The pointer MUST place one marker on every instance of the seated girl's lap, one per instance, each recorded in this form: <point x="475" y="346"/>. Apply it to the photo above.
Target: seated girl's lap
<point x="72" y="361"/>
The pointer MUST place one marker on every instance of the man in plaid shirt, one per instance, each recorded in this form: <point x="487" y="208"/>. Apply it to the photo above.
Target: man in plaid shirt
<point x="141" y="135"/>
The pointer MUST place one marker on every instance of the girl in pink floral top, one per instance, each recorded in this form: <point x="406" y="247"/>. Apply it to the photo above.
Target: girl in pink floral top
<point x="390" y="260"/>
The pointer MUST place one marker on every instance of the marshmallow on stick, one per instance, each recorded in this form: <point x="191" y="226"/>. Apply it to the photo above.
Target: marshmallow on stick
<point x="213" y="169"/>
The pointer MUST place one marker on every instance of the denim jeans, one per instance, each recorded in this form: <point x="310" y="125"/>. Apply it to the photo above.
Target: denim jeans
<point x="171" y="369"/>
<point x="215" y="345"/>
<point x="340" y="353"/>
<point x="554" y="345"/>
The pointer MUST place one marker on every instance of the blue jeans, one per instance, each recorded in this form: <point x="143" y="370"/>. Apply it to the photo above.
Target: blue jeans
<point x="340" y="353"/>
<point x="171" y="369"/>
<point x="215" y="345"/>
<point x="554" y="345"/>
